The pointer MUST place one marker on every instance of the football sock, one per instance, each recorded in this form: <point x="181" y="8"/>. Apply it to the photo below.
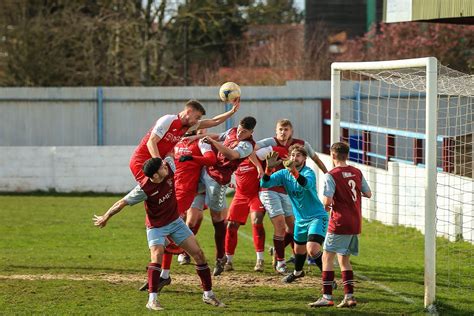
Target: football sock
<point x="348" y="281"/>
<point x="318" y="258"/>
<point x="204" y="274"/>
<point x="165" y="273"/>
<point x="219" y="238"/>
<point x="166" y="261"/>
<point x="297" y="273"/>
<point x="208" y="293"/>
<point x="328" y="279"/>
<point x="279" y="245"/>
<point x="299" y="261"/>
<point x="152" y="297"/>
<point x="229" y="258"/>
<point x="328" y="297"/>
<point x="195" y="228"/>
<point x="260" y="255"/>
<point x="258" y="232"/>
<point x="289" y="240"/>
<point x="231" y="240"/>
<point x="281" y="263"/>
<point x="154" y="270"/>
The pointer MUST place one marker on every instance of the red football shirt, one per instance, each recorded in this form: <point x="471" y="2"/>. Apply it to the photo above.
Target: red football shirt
<point x="170" y="130"/>
<point x="222" y="171"/>
<point x="187" y="173"/>
<point x="246" y="179"/>
<point x="346" y="215"/>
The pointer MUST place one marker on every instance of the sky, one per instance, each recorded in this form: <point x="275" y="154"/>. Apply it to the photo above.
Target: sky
<point x="299" y="4"/>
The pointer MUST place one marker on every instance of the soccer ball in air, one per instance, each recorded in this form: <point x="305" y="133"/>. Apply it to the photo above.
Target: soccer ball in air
<point x="229" y="91"/>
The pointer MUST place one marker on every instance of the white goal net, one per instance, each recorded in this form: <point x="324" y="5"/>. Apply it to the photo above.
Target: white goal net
<point x="410" y="125"/>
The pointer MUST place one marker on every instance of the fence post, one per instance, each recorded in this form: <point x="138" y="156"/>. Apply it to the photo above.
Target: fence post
<point x="394" y="172"/>
<point x="229" y="123"/>
<point x="100" y="116"/>
<point x="372" y="202"/>
<point x="458" y="223"/>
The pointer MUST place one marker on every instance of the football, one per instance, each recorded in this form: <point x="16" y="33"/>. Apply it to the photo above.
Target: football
<point x="229" y="91"/>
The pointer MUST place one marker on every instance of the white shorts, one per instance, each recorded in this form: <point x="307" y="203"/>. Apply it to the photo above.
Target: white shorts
<point x="342" y="244"/>
<point x="176" y="231"/>
<point x="215" y="192"/>
<point x="276" y="203"/>
<point x="199" y="201"/>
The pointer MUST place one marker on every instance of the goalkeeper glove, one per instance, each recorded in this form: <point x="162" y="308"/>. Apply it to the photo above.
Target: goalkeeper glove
<point x="290" y="166"/>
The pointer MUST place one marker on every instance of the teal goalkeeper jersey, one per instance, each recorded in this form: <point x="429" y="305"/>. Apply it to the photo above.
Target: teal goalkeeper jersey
<point x="305" y="201"/>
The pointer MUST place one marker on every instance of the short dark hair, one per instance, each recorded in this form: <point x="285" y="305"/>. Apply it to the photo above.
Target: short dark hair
<point x="298" y="148"/>
<point x="196" y="105"/>
<point x="248" y="122"/>
<point x="151" y="166"/>
<point x="341" y="149"/>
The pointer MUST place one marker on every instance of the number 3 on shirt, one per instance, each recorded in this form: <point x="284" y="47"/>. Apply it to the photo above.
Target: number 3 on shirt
<point x="352" y="184"/>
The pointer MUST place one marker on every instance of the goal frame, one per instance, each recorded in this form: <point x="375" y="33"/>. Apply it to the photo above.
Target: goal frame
<point x="431" y="66"/>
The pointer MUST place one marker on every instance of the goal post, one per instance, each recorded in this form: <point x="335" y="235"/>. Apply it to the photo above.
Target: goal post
<point x="430" y="65"/>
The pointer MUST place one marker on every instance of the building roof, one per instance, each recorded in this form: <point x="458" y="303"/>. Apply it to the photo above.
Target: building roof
<point x="452" y="11"/>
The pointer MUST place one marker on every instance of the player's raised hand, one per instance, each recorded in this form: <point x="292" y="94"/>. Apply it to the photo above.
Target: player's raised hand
<point x="100" y="221"/>
<point x="236" y="104"/>
<point x="207" y="140"/>
<point x="289" y="164"/>
<point x="272" y="159"/>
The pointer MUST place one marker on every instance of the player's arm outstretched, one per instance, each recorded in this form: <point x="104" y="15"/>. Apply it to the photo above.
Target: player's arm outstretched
<point x="208" y="157"/>
<point x="133" y="197"/>
<point x="101" y="221"/>
<point x="219" y="119"/>
<point x="319" y="163"/>
<point x="314" y="156"/>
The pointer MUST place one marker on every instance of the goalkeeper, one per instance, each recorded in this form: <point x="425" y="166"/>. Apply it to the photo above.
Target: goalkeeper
<point x="311" y="219"/>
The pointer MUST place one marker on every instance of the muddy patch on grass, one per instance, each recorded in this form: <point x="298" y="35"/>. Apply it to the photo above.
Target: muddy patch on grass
<point x="224" y="280"/>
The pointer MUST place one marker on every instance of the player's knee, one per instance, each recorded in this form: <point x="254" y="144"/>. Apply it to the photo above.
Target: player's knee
<point x="155" y="253"/>
<point x="232" y="224"/>
<point x="257" y="218"/>
<point x="199" y="256"/>
<point x="313" y="251"/>
<point x="217" y="216"/>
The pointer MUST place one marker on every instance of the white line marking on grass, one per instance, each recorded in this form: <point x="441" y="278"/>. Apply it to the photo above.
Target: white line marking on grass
<point x="385" y="288"/>
<point x="360" y="276"/>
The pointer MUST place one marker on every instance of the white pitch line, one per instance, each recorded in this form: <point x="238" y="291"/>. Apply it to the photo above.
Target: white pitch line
<point x="360" y="276"/>
<point x="385" y="288"/>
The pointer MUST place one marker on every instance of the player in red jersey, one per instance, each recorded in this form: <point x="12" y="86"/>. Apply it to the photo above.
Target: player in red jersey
<point x="162" y="221"/>
<point x="169" y="129"/>
<point x="246" y="201"/>
<point x="344" y="187"/>
<point x="237" y="145"/>
<point x="276" y="201"/>
<point x="189" y="157"/>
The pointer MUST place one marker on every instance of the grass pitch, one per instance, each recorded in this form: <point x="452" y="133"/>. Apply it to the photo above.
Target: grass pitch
<point x="54" y="261"/>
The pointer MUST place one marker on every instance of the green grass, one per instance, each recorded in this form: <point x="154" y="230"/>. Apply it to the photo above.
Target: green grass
<point x="54" y="236"/>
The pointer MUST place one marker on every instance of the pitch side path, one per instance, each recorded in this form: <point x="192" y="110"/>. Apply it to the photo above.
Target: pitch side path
<point x="54" y="261"/>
